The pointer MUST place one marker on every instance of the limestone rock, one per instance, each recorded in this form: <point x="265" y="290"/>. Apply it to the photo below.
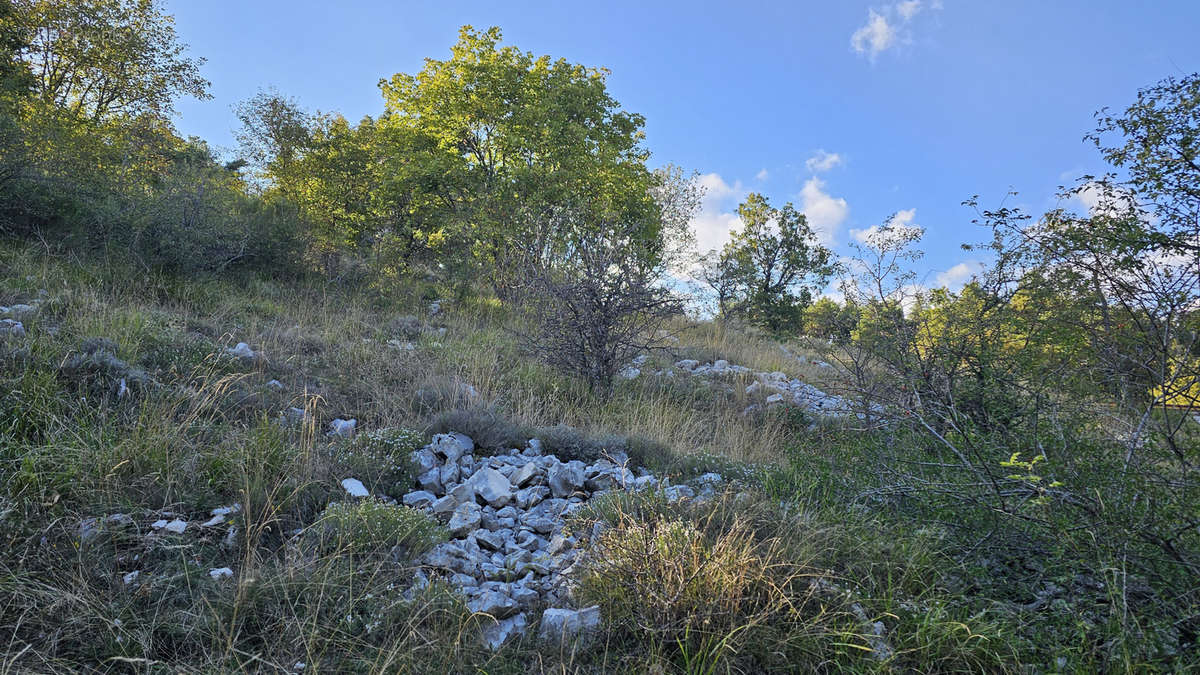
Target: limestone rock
<point x="496" y="634"/>
<point x="525" y="474"/>
<point x="492" y="487"/>
<point x="494" y="603"/>
<point x="464" y="519"/>
<point x="565" y="479"/>
<point x="419" y="499"/>
<point x="563" y="625"/>
<point x="342" y="428"/>
<point x="354" y="487"/>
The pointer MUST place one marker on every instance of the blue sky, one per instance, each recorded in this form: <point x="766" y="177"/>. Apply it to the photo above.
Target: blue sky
<point x="851" y="110"/>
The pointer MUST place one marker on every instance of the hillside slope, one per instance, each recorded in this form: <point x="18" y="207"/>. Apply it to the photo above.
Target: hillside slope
<point x="173" y="499"/>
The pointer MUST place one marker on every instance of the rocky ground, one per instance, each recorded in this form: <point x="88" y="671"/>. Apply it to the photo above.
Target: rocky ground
<point x="510" y="551"/>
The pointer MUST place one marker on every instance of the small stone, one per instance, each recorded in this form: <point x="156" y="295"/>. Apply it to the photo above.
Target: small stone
<point x="495" y="635"/>
<point x="489" y="540"/>
<point x="419" y="499"/>
<point x="449" y="473"/>
<point x="275" y="385"/>
<point x="452" y="446"/>
<point x="343" y="428"/>
<point x="220" y="572"/>
<point x="494" y="603"/>
<point x="131" y="577"/>
<point x="444" y="506"/>
<point x="12" y="327"/>
<point x="241" y="351"/>
<point x="565" y="479"/>
<point x="541" y="525"/>
<point x="559" y="544"/>
<point x="525" y="474"/>
<point x="531" y="496"/>
<point x="177" y="526"/>
<point x="525" y="597"/>
<point x="462" y="580"/>
<point x="431" y="481"/>
<point x="678" y="492"/>
<point x="214" y="521"/>
<point x="562" y="625"/>
<point x="465" y="518"/>
<point x="463" y="493"/>
<point x="440" y="557"/>
<point x="354" y="487"/>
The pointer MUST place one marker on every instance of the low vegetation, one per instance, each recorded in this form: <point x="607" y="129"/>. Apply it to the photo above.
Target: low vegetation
<point x="1012" y="487"/>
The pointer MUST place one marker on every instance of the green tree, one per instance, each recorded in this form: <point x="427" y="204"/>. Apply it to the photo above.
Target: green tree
<point x="827" y="318"/>
<point x="101" y="59"/>
<point x="773" y="265"/>
<point x="275" y="132"/>
<point x="507" y="138"/>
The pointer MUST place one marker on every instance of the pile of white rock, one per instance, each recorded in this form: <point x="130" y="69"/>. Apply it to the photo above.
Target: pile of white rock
<point x="780" y="389"/>
<point x="509" y="553"/>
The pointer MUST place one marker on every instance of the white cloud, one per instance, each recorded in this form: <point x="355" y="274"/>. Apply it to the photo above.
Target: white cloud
<point x="762" y="175"/>
<point x="888" y="27"/>
<point x="874" y="37"/>
<point x="1101" y="200"/>
<point x="823" y="161"/>
<point x="908" y="9"/>
<point x="716" y="189"/>
<point x="904" y="218"/>
<point x="716" y="218"/>
<point x="956" y="277"/>
<point x="825" y="213"/>
<point x="902" y="223"/>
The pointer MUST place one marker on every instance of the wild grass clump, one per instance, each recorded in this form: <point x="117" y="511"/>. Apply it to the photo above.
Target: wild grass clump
<point x="95" y="371"/>
<point x="569" y="443"/>
<point x="712" y="591"/>
<point x="371" y="526"/>
<point x="491" y="429"/>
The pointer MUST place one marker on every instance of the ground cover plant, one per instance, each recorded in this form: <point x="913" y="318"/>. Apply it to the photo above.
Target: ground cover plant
<point x="228" y="386"/>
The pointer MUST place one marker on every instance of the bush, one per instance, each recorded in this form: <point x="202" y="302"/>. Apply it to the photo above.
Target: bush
<point x="490" y="429"/>
<point x="568" y="443"/>
<point x="590" y="315"/>
<point x="407" y="327"/>
<point x="371" y="526"/>
<point x="95" y="371"/>
<point x="380" y="459"/>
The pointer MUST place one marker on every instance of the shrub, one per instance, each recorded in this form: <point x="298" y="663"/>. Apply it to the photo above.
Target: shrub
<point x="568" y="443"/>
<point x="380" y="459"/>
<point x="95" y="370"/>
<point x="591" y="314"/>
<point x="371" y="526"/>
<point x="490" y="429"/>
<point x="407" y="327"/>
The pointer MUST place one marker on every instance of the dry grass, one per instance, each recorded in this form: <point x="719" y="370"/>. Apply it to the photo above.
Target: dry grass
<point x="205" y="434"/>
